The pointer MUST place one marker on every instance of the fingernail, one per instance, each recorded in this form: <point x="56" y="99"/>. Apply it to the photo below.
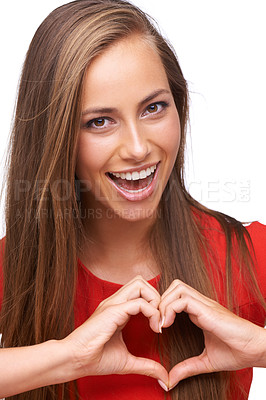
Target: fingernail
<point x="161" y="324"/>
<point x="163" y="385"/>
<point x="172" y="387"/>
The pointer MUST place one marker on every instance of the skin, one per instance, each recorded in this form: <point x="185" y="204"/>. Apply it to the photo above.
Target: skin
<point x="133" y="138"/>
<point x="231" y="343"/>
<point x="133" y="134"/>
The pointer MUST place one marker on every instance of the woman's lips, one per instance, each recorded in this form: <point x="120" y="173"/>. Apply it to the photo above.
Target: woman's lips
<point x="135" y="189"/>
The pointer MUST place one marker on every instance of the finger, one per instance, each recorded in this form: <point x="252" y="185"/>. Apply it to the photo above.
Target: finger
<point x="120" y="313"/>
<point x="144" y="366"/>
<point x="174" y="284"/>
<point x="196" y="310"/>
<point x="137" y="287"/>
<point x="178" y="290"/>
<point x="187" y="368"/>
<point x="212" y="318"/>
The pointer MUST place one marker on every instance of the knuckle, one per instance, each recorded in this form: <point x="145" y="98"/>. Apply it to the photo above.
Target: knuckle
<point x="140" y="301"/>
<point x="181" y="287"/>
<point x="155" y="302"/>
<point x="136" y="282"/>
<point x="177" y="282"/>
<point x="139" y="278"/>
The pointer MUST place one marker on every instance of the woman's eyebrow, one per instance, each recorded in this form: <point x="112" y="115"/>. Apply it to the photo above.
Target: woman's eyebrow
<point x="99" y="110"/>
<point x="109" y="110"/>
<point x="153" y="95"/>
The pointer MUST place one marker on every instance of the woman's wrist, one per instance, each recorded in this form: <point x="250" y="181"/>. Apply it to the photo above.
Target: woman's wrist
<point x="63" y="363"/>
<point x="261" y="349"/>
<point x="35" y="366"/>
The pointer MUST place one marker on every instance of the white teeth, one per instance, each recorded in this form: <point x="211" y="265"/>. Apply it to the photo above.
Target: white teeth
<point x="134" y="176"/>
<point x="142" y="175"/>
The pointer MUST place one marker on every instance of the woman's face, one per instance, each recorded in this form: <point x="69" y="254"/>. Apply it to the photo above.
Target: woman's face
<point x="130" y="131"/>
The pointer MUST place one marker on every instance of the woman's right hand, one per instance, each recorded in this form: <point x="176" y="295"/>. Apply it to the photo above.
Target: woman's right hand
<point x="97" y="345"/>
<point x="94" y="348"/>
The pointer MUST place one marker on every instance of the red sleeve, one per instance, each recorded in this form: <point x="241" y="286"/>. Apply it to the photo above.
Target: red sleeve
<point x="257" y="233"/>
<point x="249" y="306"/>
<point x="250" y="309"/>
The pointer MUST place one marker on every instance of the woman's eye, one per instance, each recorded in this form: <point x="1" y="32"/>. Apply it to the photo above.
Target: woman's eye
<point x="98" y="123"/>
<point x="155" y="108"/>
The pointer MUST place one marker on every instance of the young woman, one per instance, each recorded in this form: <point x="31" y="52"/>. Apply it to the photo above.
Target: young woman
<point x="104" y="247"/>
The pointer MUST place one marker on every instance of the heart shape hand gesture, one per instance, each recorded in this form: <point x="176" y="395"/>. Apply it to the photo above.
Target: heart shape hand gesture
<point x="98" y="348"/>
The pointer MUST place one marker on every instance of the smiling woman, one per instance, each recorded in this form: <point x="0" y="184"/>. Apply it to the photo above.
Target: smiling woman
<point x="136" y="125"/>
<point x="104" y="245"/>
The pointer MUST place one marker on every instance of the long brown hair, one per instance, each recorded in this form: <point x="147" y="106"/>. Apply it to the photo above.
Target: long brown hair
<point x="43" y="223"/>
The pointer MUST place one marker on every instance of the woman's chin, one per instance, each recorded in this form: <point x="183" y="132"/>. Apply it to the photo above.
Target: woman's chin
<point x="133" y="213"/>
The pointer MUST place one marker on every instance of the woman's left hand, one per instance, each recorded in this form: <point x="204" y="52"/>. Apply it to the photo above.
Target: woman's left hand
<point x="231" y="343"/>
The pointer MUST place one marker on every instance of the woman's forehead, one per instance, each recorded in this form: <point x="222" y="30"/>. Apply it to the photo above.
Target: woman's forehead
<point x="131" y="67"/>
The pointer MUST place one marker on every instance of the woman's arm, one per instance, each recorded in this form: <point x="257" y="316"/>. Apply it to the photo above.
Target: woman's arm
<point x="31" y="367"/>
<point x="97" y="346"/>
<point x="94" y="348"/>
<point x="231" y="342"/>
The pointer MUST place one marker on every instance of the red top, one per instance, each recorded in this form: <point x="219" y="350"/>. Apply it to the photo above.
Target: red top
<point x="138" y="336"/>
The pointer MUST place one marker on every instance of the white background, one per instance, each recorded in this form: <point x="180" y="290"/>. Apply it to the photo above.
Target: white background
<point x="221" y="48"/>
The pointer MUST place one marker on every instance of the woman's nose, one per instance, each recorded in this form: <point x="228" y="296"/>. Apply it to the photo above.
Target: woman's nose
<point x="134" y="143"/>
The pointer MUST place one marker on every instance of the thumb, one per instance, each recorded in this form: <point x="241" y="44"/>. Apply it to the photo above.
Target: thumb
<point x="145" y="366"/>
<point x="190" y="367"/>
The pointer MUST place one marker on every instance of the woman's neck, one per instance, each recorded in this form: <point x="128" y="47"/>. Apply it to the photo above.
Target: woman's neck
<point x="117" y="250"/>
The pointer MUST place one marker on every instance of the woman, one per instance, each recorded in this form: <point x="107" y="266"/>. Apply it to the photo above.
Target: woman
<point x="100" y="227"/>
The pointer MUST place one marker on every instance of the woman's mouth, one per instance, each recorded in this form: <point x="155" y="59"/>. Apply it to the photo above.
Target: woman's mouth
<point x="136" y="185"/>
